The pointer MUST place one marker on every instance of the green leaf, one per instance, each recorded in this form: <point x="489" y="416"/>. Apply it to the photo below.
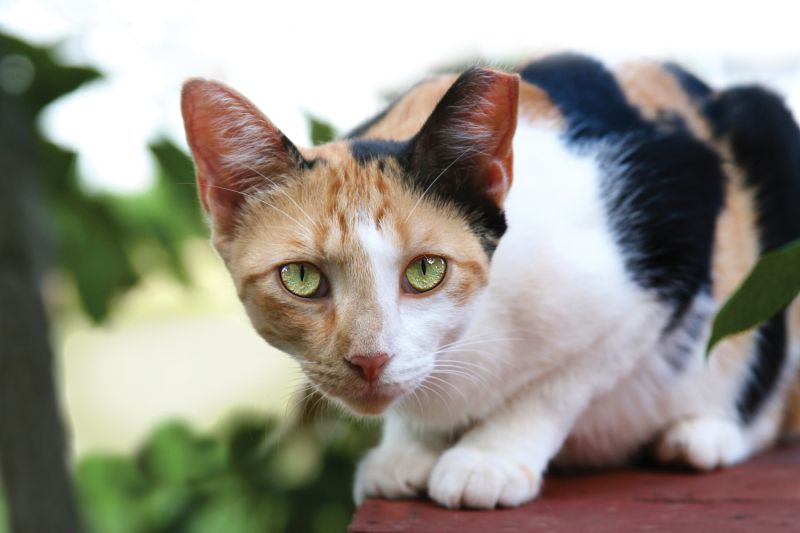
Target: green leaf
<point x="321" y="131"/>
<point x="772" y="285"/>
<point x="175" y="456"/>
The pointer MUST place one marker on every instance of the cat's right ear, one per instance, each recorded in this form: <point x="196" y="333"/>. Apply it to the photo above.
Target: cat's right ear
<point x="236" y="149"/>
<point x="469" y="136"/>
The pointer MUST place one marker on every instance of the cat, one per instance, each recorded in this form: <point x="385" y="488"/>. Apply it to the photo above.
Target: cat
<point x="517" y="268"/>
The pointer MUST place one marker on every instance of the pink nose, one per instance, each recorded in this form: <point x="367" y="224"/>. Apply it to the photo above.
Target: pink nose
<point x="370" y="366"/>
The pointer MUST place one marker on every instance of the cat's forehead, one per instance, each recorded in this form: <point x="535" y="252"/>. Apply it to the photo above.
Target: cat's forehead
<point x="347" y="189"/>
<point x="326" y="211"/>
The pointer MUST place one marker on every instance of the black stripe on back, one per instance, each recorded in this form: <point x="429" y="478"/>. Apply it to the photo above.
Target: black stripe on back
<point x="366" y="150"/>
<point x="765" y="369"/>
<point x="663" y="191"/>
<point x="586" y="93"/>
<point x="662" y="188"/>
<point x="765" y="141"/>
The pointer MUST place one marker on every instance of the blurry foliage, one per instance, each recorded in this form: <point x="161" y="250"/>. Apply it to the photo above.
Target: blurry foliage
<point x="772" y="285"/>
<point x="233" y="482"/>
<point x="99" y="236"/>
<point x="105" y="242"/>
<point x="321" y="131"/>
<point x="236" y="482"/>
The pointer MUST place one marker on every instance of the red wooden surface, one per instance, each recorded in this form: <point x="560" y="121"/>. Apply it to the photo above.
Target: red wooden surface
<point x="760" y="496"/>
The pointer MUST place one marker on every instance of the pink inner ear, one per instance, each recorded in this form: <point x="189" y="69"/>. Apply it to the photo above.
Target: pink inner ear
<point x="498" y="115"/>
<point x="236" y="149"/>
<point x="498" y="178"/>
<point x="474" y="125"/>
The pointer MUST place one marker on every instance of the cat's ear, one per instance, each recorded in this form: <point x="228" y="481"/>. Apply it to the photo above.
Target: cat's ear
<point x="469" y="134"/>
<point x="236" y="149"/>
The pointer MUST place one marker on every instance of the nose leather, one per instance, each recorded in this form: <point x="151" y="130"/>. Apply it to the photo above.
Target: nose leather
<point x="369" y="366"/>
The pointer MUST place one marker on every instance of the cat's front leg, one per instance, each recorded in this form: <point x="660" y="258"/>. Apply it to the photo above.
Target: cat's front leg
<point x="399" y="467"/>
<point x="501" y="460"/>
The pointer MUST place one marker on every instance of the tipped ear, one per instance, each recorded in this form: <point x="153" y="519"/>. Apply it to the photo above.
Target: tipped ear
<point x="236" y="149"/>
<point x="470" y="133"/>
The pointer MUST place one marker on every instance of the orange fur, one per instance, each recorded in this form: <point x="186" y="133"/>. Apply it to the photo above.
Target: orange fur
<point x="536" y="106"/>
<point x="353" y="192"/>
<point x="409" y="113"/>
<point x="654" y="91"/>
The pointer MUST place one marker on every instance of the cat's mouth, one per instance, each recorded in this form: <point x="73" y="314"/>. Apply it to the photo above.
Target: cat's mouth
<point x="371" y="400"/>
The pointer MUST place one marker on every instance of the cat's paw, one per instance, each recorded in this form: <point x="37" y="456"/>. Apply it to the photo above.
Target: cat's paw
<point x="390" y="472"/>
<point x="703" y="443"/>
<point x="469" y="477"/>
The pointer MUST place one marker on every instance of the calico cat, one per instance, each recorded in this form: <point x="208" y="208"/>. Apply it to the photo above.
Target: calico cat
<point x="499" y="327"/>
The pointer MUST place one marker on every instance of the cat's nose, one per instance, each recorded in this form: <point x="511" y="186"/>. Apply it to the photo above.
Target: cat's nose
<point x="369" y="366"/>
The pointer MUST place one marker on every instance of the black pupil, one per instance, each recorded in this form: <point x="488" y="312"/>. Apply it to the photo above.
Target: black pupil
<point x="423" y="267"/>
<point x="302" y="272"/>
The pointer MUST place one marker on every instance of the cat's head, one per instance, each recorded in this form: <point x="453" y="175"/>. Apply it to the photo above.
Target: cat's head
<point x="361" y="258"/>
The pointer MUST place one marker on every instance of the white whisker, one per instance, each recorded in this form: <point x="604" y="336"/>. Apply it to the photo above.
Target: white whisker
<point x="280" y="190"/>
<point x="419" y="200"/>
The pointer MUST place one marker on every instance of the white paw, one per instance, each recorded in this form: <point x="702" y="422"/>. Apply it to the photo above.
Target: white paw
<point x="469" y="477"/>
<point x="703" y="443"/>
<point x="393" y="473"/>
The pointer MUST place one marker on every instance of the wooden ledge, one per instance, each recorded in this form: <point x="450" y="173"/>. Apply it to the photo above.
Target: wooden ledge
<point x="762" y="495"/>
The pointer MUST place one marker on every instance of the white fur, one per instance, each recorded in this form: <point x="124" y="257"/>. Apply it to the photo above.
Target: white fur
<point x="563" y="357"/>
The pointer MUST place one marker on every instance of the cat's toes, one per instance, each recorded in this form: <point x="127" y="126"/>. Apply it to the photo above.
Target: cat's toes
<point x="468" y="477"/>
<point x="702" y="443"/>
<point x="393" y="473"/>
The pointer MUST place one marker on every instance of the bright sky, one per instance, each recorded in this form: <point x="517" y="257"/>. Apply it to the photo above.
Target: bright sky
<point x="335" y="58"/>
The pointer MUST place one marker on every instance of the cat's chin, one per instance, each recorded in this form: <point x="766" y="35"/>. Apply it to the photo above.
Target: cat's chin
<point x="369" y="405"/>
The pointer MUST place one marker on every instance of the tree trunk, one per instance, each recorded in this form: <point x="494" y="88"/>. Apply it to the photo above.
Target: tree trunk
<point x="33" y="457"/>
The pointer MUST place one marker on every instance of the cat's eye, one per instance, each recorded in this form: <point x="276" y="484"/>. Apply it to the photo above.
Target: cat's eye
<point x="302" y="279"/>
<point x="425" y="272"/>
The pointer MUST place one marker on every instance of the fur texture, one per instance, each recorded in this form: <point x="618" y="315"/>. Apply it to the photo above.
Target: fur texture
<point x="571" y="322"/>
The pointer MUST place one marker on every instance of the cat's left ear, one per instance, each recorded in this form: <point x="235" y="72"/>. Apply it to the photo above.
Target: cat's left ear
<point x="469" y="134"/>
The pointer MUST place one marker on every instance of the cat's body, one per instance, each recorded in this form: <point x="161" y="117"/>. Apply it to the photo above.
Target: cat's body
<point x="572" y="321"/>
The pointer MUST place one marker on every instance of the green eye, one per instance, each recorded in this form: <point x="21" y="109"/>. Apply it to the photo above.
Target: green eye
<point x="302" y="279"/>
<point x="426" y="272"/>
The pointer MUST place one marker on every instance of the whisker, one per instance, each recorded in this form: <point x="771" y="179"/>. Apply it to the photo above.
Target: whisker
<point x="280" y="190"/>
<point x="261" y="200"/>
<point x="419" y="200"/>
<point x="450" y="384"/>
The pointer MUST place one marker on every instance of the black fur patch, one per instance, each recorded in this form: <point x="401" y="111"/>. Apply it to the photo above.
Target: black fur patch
<point x="366" y="150"/>
<point x="765" y="369"/>
<point x="437" y="182"/>
<point x="586" y="93"/>
<point x="452" y="186"/>
<point x="298" y="158"/>
<point x="663" y="191"/>
<point x="662" y="188"/>
<point x="765" y="141"/>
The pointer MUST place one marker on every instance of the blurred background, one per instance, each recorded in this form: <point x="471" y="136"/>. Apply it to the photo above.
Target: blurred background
<point x="172" y="406"/>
